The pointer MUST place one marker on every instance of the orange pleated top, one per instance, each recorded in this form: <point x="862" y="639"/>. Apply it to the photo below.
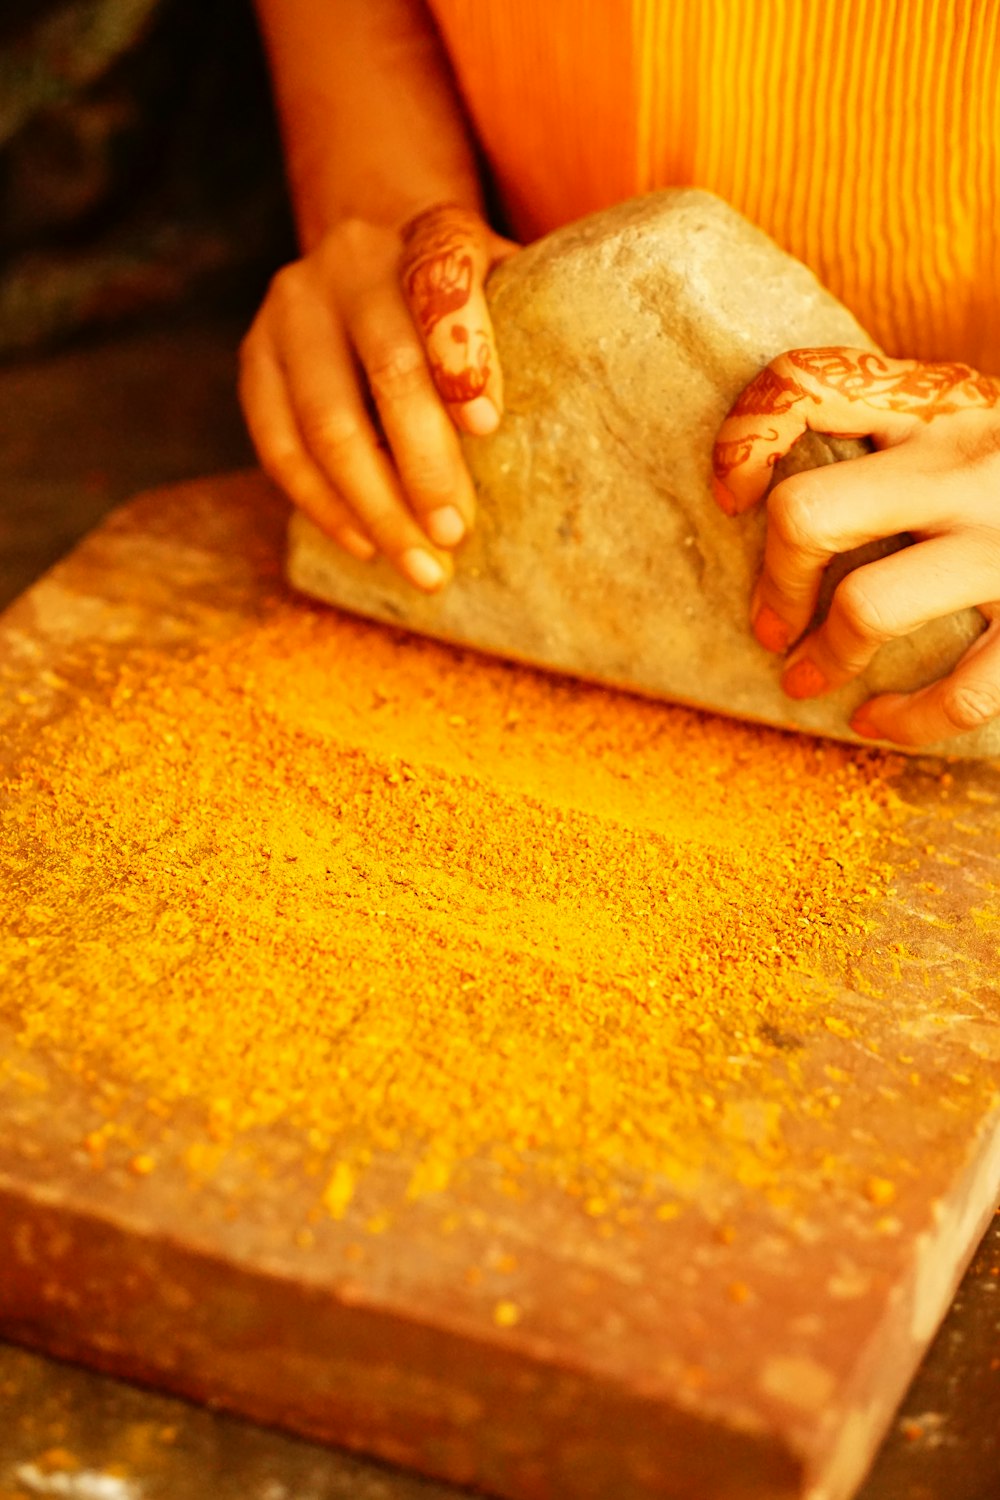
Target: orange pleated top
<point x="863" y="135"/>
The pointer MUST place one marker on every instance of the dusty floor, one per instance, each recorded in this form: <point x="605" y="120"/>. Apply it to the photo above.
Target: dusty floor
<point x="79" y="432"/>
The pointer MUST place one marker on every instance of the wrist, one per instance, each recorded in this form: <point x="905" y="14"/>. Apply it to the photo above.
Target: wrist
<point x="320" y="207"/>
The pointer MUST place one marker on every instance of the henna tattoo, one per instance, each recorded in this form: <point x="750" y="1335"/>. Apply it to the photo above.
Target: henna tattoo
<point x="903" y="387"/>
<point x="439" y="286"/>
<point x="730" y="455"/>
<point x="897" y="385"/>
<point x="438" y="274"/>
<point x="437" y="264"/>
<point x="472" y="379"/>
<point x="769" y="395"/>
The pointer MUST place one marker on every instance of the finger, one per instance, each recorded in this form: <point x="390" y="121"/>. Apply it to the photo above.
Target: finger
<point x="822" y="513"/>
<point x="446" y="255"/>
<point x="966" y="699"/>
<point x="848" y="392"/>
<point x="275" y="435"/>
<point x="421" y="435"/>
<point x="339" y="436"/>
<point x="886" y="600"/>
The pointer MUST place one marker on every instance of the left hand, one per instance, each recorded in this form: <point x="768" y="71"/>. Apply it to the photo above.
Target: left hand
<point x="380" y="331"/>
<point x="936" y="475"/>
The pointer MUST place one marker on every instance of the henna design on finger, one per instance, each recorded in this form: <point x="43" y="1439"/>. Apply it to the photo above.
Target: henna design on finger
<point x="457" y="386"/>
<point x="770" y="395"/>
<point x="906" y="387"/>
<point x="897" y="385"/>
<point x="730" y="455"/>
<point x="437" y="271"/>
<point x="438" y="286"/>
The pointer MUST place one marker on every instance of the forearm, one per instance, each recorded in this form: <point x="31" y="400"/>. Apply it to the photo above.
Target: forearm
<point x="371" y="122"/>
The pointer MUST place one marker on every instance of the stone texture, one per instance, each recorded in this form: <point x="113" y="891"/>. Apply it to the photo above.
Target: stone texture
<point x="203" y="1283"/>
<point x="599" y="550"/>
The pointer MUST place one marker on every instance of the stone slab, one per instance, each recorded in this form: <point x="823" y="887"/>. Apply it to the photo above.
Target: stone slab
<point x="633" y="1371"/>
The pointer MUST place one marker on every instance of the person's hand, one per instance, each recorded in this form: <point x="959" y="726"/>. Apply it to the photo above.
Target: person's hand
<point x="363" y="359"/>
<point x="936" y="476"/>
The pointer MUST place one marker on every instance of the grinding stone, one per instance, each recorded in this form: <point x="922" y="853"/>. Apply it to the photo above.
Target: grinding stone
<point x="599" y="550"/>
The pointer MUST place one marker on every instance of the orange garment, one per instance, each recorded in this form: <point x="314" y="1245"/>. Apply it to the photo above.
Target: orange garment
<point x="863" y="135"/>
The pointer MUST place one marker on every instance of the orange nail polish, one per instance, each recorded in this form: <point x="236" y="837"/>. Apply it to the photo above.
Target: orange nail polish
<point x="771" y="630"/>
<point x="804" y="680"/>
<point x="724" y="498"/>
<point x="862" y="725"/>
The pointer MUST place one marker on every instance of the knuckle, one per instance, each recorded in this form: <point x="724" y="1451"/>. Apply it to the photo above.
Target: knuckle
<point x="861" y="608"/>
<point x="352" y="236"/>
<point x="393" y="374"/>
<point x="977" y="438"/>
<point x="783" y="364"/>
<point x="282" y="463"/>
<point x="358" y="252"/>
<point x="285" y="285"/>
<point x="431" y="487"/>
<point x="330" y="433"/>
<point x="794" y="510"/>
<point x="967" y="705"/>
<point x="352" y="232"/>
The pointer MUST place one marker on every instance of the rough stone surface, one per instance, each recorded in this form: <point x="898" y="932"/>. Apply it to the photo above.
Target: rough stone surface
<point x="635" y="1371"/>
<point x="599" y="550"/>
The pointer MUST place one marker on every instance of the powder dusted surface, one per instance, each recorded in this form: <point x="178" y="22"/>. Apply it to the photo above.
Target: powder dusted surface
<point x="402" y="898"/>
<point x="531" y="1085"/>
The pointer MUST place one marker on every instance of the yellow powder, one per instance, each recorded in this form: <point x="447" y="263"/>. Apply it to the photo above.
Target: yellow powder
<point x="399" y="899"/>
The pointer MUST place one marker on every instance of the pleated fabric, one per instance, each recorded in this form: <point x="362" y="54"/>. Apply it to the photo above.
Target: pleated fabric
<point x="863" y="135"/>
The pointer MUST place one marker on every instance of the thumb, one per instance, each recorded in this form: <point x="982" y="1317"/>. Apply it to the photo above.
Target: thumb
<point x="447" y="254"/>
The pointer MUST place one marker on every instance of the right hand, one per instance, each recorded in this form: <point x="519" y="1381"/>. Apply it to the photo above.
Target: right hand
<point x="379" y="329"/>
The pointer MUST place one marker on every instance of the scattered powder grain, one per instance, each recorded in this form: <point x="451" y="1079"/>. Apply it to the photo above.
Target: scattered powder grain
<point x="403" y="900"/>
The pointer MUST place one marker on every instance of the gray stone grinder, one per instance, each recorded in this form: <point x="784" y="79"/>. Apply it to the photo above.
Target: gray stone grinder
<point x="598" y="549"/>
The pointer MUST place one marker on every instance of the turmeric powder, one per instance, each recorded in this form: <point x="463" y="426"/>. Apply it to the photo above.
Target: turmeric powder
<point x="401" y="899"/>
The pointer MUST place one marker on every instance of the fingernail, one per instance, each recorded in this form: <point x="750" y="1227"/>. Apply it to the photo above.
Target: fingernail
<point x="804" y="680"/>
<point x="771" y="630"/>
<point x="479" y="417"/>
<point x="445" y="526"/>
<point x="422" y="569"/>
<point x="357" y="545"/>
<point x="864" y="726"/>
<point x="724" y="498"/>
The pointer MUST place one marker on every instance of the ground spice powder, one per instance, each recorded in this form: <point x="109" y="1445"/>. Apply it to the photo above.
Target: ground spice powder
<point x="334" y="880"/>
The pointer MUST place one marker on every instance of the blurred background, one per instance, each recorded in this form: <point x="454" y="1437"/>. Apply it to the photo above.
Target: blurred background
<point x="142" y="211"/>
<point x="139" y="165"/>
